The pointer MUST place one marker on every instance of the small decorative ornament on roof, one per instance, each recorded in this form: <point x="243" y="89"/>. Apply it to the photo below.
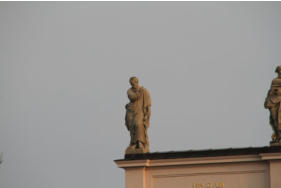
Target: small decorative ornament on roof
<point x="273" y="103"/>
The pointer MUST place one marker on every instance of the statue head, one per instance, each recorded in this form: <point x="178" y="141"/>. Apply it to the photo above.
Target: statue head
<point x="134" y="82"/>
<point x="278" y="70"/>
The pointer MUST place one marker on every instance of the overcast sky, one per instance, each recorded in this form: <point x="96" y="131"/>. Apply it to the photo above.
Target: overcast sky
<point x="64" y="71"/>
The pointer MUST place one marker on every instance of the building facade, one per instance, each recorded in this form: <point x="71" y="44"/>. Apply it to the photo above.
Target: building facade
<point x="222" y="168"/>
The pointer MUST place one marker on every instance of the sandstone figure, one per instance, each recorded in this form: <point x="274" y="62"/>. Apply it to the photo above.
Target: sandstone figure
<point x="137" y="117"/>
<point x="272" y="102"/>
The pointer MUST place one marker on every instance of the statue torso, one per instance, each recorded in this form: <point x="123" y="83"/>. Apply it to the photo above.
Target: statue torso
<point x="136" y="100"/>
<point x="275" y="91"/>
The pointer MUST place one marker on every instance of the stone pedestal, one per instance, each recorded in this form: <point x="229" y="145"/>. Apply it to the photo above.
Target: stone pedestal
<point x="224" y="168"/>
<point x="133" y="150"/>
<point x="275" y="143"/>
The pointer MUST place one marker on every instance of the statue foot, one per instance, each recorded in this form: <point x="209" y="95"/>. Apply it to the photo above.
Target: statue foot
<point x="140" y="145"/>
<point x="135" y="150"/>
<point x="276" y="142"/>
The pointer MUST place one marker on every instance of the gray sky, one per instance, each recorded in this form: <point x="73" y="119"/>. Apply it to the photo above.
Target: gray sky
<point x="64" y="70"/>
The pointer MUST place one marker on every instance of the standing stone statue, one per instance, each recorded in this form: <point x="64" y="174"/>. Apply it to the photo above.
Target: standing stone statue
<point x="137" y="117"/>
<point x="272" y="102"/>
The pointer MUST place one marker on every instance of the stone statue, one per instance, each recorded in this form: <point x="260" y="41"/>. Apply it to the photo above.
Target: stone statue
<point x="272" y="102"/>
<point x="137" y="117"/>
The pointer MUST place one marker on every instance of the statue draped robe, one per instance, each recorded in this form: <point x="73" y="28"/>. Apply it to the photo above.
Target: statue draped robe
<point x="137" y="116"/>
<point x="273" y="103"/>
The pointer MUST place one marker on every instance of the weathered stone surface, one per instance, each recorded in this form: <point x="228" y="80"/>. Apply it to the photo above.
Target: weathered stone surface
<point x="272" y="102"/>
<point x="215" y="168"/>
<point x="137" y="117"/>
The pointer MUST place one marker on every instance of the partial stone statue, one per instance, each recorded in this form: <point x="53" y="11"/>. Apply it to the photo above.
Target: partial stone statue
<point x="273" y="103"/>
<point x="137" y="117"/>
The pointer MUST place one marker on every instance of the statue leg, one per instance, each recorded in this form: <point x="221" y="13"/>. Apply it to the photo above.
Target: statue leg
<point x="274" y="123"/>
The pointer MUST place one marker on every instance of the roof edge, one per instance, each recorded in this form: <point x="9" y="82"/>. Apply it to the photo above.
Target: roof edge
<point x="202" y="153"/>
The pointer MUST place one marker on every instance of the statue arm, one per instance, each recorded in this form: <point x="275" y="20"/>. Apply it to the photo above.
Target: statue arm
<point x="147" y="107"/>
<point x="133" y="95"/>
<point x="147" y="113"/>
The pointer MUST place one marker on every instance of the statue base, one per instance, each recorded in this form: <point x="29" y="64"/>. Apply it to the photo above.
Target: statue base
<point x="134" y="150"/>
<point x="272" y="143"/>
